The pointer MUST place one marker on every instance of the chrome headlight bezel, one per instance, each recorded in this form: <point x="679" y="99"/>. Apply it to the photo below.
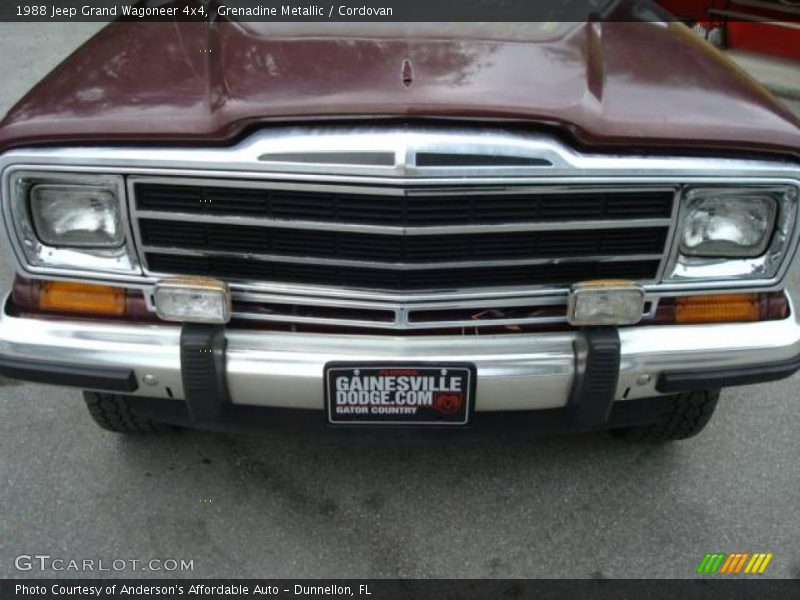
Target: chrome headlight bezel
<point x="769" y="258"/>
<point x="41" y="257"/>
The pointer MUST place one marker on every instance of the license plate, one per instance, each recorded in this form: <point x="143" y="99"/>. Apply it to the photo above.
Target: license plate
<point x="404" y="394"/>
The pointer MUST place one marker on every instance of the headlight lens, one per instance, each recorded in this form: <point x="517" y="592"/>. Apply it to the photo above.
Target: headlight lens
<point x="728" y="224"/>
<point x="605" y="302"/>
<point x="76" y="215"/>
<point x="193" y="300"/>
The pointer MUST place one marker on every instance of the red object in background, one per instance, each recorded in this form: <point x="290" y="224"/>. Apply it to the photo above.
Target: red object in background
<point x="764" y="38"/>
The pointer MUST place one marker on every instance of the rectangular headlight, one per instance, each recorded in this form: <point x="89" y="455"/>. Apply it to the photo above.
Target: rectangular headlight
<point x="605" y="302"/>
<point x="81" y="216"/>
<point x="193" y="300"/>
<point x="728" y="223"/>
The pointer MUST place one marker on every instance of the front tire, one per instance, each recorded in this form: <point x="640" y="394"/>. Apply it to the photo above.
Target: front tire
<point x="113" y="413"/>
<point x="686" y="416"/>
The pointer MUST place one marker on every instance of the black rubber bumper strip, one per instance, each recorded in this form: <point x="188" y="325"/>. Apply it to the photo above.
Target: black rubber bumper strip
<point x="704" y="379"/>
<point x="90" y="378"/>
<point x="203" y="371"/>
<point x="597" y="357"/>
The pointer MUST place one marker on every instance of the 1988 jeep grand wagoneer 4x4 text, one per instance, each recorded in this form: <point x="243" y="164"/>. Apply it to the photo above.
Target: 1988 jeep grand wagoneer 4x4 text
<point x="575" y="225"/>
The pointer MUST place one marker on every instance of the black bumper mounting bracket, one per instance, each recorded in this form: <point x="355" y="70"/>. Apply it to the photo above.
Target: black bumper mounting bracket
<point x="203" y="371"/>
<point x="597" y="357"/>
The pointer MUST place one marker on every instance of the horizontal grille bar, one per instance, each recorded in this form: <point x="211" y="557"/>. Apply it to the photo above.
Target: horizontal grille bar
<point x="326" y="314"/>
<point x="428" y="230"/>
<point x="417" y="210"/>
<point x="210" y="237"/>
<point x="417" y="266"/>
<point x="356" y="277"/>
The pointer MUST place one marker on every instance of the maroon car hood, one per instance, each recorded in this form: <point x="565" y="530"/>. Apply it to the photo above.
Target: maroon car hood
<point x="637" y="85"/>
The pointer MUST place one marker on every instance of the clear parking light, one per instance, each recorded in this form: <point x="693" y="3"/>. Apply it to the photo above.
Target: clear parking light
<point x="606" y="302"/>
<point x="82" y="216"/>
<point x="728" y="223"/>
<point x="193" y="300"/>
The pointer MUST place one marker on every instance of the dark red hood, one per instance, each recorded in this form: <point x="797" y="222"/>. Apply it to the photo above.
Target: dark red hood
<point x="637" y="85"/>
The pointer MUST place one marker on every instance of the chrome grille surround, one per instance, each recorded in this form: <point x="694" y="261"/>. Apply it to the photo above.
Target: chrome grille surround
<point x="467" y="161"/>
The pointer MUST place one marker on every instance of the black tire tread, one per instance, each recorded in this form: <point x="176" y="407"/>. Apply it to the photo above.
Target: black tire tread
<point x="687" y="415"/>
<point x="112" y="412"/>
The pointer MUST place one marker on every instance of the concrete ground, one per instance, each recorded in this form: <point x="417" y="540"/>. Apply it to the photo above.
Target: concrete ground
<point x="781" y="76"/>
<point x="280" y="505"/>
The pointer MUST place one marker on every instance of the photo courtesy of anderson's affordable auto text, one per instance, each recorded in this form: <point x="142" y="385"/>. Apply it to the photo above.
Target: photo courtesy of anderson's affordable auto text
<point x="399" y="299"/>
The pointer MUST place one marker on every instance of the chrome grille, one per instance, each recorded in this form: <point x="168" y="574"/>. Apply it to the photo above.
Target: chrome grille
<point x="401" y="240"/>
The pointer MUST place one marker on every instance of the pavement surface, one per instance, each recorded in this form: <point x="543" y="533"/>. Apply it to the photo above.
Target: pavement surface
<point x="305" y="506"/>
<point x="781" y="76"/>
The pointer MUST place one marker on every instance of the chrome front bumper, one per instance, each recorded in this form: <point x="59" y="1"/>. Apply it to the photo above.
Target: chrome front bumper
<point x="515" y="371"/>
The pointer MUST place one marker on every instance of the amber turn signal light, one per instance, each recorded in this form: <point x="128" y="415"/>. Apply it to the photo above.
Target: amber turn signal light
<point x="718" y="308"/>
<point x="81" y="297"/>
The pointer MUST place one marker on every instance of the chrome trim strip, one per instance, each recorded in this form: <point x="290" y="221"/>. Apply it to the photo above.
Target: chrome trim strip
<point x="407" y="187"/>
<point x="341" y="157"/>
<point x="671" y="234"/>
<point x="398" y="324"/>
<point x="405" y="231"/>
<point x="427" y="266"/>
